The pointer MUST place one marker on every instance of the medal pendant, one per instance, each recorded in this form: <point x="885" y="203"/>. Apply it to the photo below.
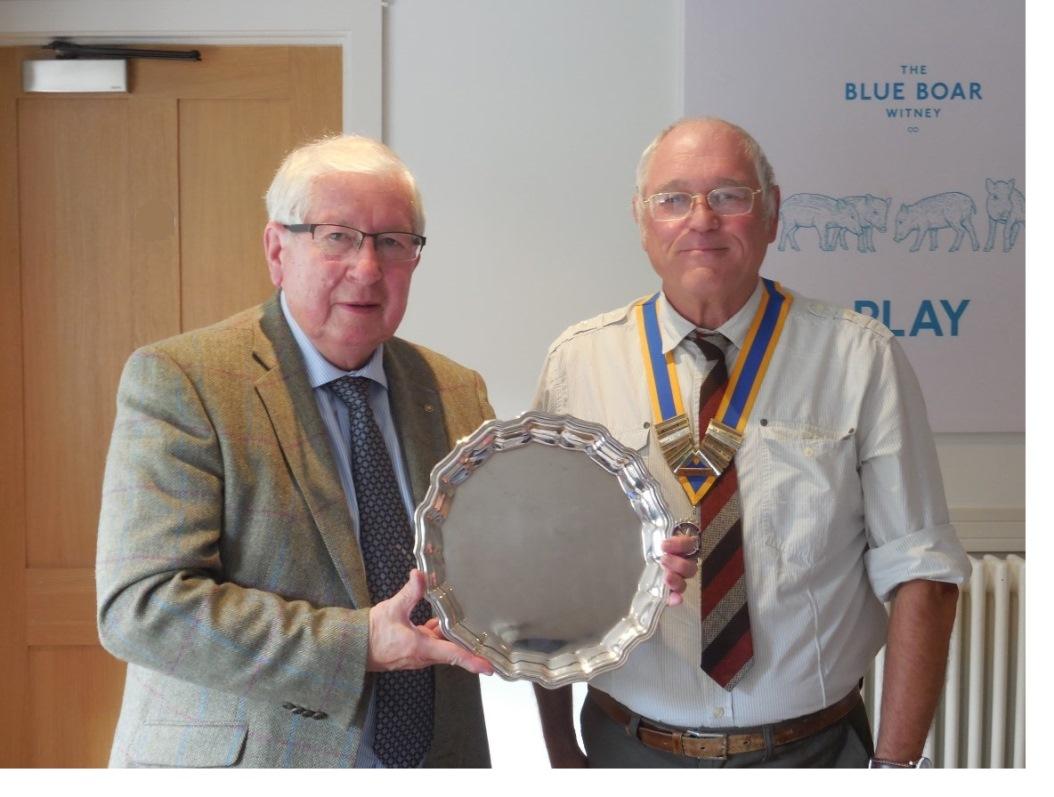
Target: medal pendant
<point x="716" y="450"/>
<point x="675" y="440"/>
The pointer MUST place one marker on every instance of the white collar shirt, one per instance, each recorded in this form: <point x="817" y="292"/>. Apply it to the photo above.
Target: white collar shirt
<point x="840" y="489"/>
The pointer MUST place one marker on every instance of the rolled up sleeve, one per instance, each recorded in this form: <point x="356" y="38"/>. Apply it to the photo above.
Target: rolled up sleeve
<point x="906" y="515"/>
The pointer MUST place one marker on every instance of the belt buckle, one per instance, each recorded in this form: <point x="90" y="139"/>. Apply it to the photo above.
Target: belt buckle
<point x="692" y="734"/>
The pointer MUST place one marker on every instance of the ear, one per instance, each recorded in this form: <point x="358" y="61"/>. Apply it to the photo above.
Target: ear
<point x="989" y="184"/>
<point x="1011" y="184"/>
<point x="638" y="216"/>
<point x="774" y="219"/>
<point x="274" y="245"/>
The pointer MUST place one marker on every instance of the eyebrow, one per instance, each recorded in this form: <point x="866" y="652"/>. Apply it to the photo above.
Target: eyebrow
<point x="683" y="185"/>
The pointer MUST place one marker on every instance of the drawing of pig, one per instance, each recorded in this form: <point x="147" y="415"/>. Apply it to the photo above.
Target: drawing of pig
<point x="934" y="213"/>
<point x="1006" y="206"/>
<point x="873" y="213"/>
<point x="826" y="213"/>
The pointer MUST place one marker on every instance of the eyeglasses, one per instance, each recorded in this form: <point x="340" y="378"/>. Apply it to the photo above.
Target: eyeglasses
<point x="729" y="200"/>
<point x="338" y="242"/>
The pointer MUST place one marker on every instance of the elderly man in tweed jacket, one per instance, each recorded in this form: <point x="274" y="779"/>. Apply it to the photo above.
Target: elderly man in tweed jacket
<point x="231" y="573"/>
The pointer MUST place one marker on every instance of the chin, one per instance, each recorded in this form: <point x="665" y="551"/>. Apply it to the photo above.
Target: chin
<point x="704" y="278"/>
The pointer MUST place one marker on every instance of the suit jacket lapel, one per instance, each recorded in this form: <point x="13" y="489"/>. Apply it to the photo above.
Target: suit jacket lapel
<point x="290" y="403"/>
<point x="417" y="412"/>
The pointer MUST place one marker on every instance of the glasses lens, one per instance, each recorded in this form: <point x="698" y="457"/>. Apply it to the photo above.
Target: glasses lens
<point x="335" y="241"/>
<point x="397" y="247"/>
<point x="340" y="243"/>
<point x="731" y="200"/>
<point x="667" y="207"/>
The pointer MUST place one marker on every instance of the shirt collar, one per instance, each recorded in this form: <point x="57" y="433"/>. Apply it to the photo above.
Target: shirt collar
<point x="321" y="371"/>
<point x="674" y="327"/>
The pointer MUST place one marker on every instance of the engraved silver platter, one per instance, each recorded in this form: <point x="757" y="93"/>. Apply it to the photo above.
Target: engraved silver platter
<point x="539" y="538"/>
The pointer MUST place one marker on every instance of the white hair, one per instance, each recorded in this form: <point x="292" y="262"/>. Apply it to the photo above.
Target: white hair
<point x="289" y="194"/>
<point x="752" y="149"/>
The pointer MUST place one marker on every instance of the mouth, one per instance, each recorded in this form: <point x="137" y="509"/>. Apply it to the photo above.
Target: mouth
<point x="358" y="306"/>
<point x="705" y="249"/>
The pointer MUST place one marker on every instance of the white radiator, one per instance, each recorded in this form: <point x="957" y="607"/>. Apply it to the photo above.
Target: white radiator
<point x="980" y="722"/>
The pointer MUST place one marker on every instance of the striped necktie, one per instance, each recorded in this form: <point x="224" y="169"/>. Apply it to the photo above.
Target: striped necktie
<point x="727" y="649"/>
<point x="405" y="698"/>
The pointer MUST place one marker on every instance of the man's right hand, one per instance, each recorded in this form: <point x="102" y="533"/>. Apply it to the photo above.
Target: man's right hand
<point x="398" y="644"/>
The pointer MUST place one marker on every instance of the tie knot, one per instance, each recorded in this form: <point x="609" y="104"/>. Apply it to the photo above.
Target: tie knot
<point x="711" y="344"/>
<point x="352" y="390"/>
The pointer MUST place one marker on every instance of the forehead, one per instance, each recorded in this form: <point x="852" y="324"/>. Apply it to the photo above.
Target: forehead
<point x="356" y="193"/>
<point x="700" y="156"/>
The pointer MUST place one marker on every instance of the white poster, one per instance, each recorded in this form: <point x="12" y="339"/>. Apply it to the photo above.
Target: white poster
<point x="897" y="133"/>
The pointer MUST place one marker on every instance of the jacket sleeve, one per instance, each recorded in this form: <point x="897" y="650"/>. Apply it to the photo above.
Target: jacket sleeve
<point x="163" y="599"/>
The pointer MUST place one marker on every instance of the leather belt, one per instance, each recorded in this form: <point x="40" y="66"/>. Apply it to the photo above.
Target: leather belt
<point x="698" y="744"/>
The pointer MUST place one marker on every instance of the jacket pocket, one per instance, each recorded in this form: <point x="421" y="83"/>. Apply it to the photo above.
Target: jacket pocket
<point x="188" y="745"/>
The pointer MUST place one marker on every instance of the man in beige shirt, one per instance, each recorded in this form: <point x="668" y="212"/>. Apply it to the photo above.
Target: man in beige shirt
<point x="831" y="504"/>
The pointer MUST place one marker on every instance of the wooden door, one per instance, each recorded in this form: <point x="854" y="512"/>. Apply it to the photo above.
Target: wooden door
<point x="123" y="219"/>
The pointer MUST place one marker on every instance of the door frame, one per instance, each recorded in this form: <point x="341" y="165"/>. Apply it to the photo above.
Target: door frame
<point x="356" y="26"/>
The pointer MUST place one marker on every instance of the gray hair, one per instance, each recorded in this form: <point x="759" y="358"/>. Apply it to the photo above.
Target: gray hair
<point x="752" y="149"/>
<point x="289" y="194"/>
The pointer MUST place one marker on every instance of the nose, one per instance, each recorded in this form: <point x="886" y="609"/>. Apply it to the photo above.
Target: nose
<point x="364" y="265"/>
<point x="700" y="215"/>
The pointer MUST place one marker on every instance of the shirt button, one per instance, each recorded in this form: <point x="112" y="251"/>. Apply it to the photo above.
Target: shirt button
<point x="808" y="452"/>
<point x="719" y="712"/>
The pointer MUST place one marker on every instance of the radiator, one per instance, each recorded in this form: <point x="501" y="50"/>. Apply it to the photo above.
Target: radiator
<point x="980" y="721"/>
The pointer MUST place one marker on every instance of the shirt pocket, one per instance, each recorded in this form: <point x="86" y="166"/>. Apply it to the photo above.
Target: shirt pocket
<point x="812" y="488"/>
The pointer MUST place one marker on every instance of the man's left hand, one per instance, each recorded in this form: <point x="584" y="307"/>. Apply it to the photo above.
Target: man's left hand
<point x="678" y="566"/>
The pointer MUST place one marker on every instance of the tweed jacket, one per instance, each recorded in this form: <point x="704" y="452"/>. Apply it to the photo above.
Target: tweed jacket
<point x="228" y="573"/>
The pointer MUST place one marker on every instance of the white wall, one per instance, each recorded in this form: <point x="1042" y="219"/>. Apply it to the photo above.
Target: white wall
<point x="523" y="123"/>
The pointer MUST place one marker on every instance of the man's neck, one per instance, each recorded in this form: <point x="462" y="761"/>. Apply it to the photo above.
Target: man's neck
<point x="708" y="312"/>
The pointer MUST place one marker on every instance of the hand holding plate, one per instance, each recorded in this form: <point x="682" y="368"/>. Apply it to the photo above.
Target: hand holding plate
<point x="397" y="644"/>
<point x="678" y="562"/>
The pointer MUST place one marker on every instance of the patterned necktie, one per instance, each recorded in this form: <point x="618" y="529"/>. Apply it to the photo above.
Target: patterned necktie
<point x="405" y="698"/>
<point x="727" y="647"/>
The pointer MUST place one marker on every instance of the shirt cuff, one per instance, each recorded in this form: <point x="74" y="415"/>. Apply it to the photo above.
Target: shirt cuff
<point x="933" y="554"/>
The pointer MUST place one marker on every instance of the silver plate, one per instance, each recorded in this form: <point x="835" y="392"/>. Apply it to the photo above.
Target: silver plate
<point x="540" y="541"/>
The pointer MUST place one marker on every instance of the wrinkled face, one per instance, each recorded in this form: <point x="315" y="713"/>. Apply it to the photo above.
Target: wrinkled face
<point x="705" y="256"/>
<point x="346" y="307"/>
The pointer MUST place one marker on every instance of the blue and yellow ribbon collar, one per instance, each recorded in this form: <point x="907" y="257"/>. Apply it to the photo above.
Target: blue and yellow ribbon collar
<point x="698" y="469"/>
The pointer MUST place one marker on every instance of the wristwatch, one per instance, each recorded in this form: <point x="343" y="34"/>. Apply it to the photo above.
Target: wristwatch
<point x="884" y="763"/>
